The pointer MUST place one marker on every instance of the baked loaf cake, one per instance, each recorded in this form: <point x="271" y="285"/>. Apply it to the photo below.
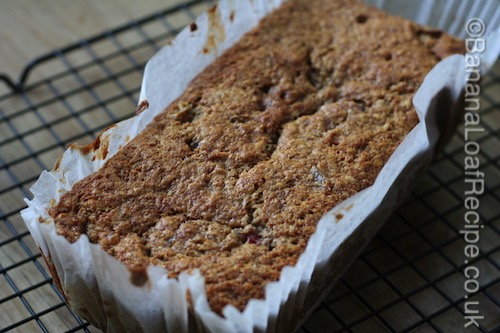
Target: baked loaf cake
<point x="233" y="176"/>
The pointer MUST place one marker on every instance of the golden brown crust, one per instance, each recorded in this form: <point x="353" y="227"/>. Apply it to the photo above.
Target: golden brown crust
<point x="232" y="178"/>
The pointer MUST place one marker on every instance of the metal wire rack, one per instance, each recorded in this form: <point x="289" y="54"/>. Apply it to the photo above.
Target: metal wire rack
<point x="410" y="278"/>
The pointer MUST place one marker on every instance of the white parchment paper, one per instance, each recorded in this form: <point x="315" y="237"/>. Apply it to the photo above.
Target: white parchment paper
<point x="99" y="288"/>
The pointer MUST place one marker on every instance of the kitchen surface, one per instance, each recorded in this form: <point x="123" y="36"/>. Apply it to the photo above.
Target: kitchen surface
<point x="31" y="28"/>
<point x="82" y="63"/>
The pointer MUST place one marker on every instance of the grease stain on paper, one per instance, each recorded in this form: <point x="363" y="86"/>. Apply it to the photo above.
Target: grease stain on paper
<point x="99" y="147"/>
<point x="216" y="33"/>
<point x="143" y="106"/>
<point x="139" y="277"/>
<point x="339" y="216"/>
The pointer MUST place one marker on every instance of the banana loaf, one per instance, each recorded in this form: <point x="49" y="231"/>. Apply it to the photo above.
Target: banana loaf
<point x="232" y="177"/>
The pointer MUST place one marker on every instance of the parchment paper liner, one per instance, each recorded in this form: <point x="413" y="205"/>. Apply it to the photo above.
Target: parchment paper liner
<point x="102" y="290"/>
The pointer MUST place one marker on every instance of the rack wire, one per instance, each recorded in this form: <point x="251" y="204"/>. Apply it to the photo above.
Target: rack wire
<point x="410" y="277"/>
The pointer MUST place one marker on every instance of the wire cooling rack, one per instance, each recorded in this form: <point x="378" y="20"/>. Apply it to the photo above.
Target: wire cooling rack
<point x="410" y="278"/>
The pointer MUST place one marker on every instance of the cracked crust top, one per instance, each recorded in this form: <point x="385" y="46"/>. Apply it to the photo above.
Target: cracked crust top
<point x="232" y="178"/>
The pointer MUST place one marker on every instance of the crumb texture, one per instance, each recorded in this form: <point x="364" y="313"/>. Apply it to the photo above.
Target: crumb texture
<point x="232" y="178"/>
